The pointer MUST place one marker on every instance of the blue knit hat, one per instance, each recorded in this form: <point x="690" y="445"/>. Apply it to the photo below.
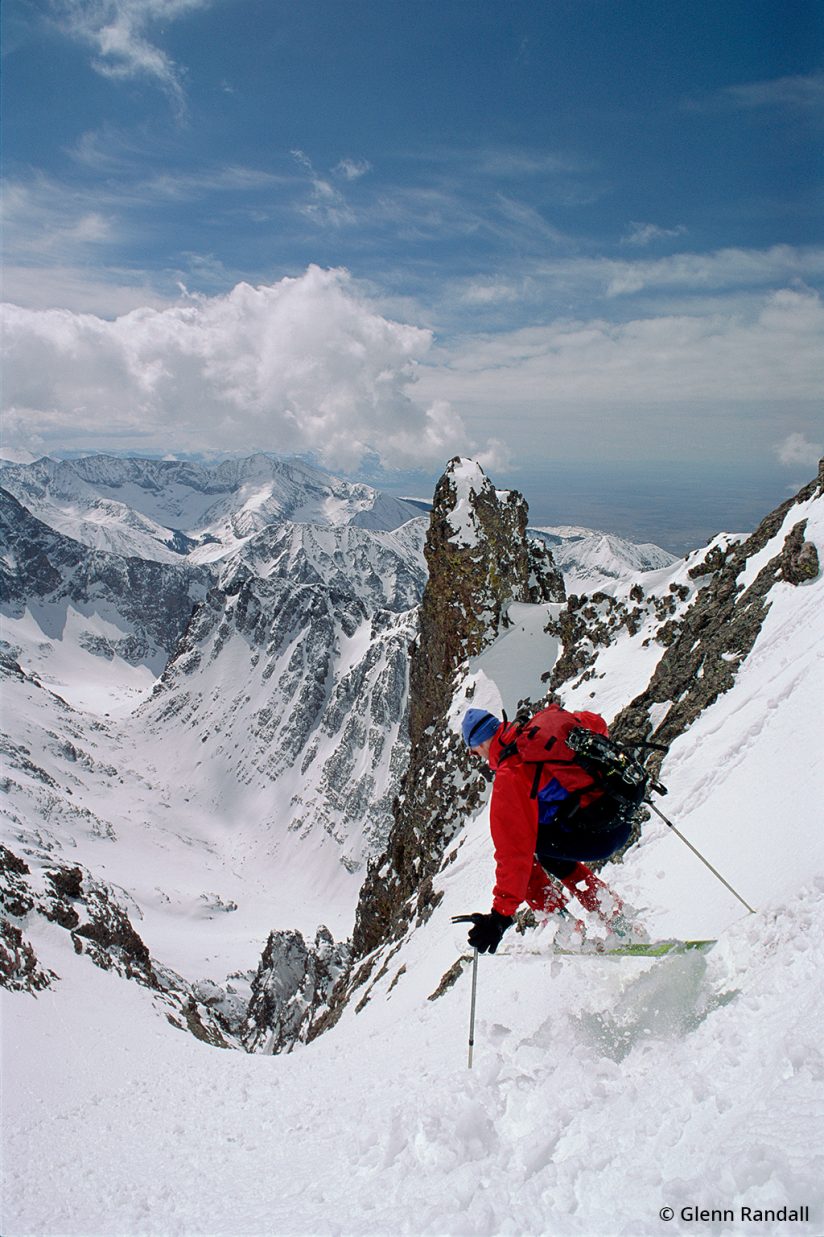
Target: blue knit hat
<point x="478" y="726"/>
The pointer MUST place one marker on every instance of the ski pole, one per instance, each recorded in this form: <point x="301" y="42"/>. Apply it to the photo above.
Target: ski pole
<point x="472" y="1005"/>
<point x="706" y="862"/>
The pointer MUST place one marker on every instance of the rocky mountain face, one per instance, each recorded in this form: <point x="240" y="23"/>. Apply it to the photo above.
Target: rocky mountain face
<point x="480" y="561"/>
<point x="682" y="632"/>
<point x="705" y="625"/>
<point x="88" y="910"/>
<point x="285" y="660"/>
<point x="315" y="624"/>
<point x="261" y="767"/>
<point x="147" y="605"/>
<point x="292" y="989"/>
<point x="690" y="628"/>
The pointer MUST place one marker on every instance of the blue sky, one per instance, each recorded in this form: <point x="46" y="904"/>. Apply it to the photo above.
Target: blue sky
<point x="577" y="239"/>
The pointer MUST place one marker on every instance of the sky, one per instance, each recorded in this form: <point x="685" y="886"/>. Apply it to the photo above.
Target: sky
<point x="577" y="240"/>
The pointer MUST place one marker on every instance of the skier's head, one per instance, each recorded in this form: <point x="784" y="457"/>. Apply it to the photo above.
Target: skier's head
<point x="478" y="726"/>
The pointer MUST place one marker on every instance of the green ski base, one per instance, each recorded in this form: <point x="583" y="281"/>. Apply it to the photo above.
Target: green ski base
<point x="636" y="949"/>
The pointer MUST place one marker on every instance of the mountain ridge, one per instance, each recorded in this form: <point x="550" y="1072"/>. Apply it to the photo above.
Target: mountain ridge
<point x="172" y="509"/>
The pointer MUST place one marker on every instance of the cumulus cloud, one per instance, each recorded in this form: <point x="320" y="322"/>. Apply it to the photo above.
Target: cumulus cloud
<point x="797" y="450"/>
<point x="305" y="364"/>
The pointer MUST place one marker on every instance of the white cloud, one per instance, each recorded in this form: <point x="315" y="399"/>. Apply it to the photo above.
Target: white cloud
<point x="491" y="291"/>
<point x="796" y="449"/>
<point x="721" y="270"/>
<point x="40" y="220"/>
<point x="642" y="234"/>
<point x="303" y="364"/>
<point x="353" y="169"/>
<point x="688" y="379"/>
<point x="327" y="205"/>
<point x="117" y="30"/>
<point x="114" y="293"/>
<point x="805" y="91"/>
<point x="724" y="268"/>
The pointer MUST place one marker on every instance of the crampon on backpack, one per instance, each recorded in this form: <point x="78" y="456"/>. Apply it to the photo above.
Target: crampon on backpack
<point x="577" y="766"/>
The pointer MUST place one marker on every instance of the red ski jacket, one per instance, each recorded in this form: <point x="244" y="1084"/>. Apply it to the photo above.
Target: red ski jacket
<point x="513" y="810"/>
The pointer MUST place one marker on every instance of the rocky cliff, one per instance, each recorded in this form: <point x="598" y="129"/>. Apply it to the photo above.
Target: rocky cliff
<point x="705" y="625"/>
<point x="707" y="644"/>
<point x="480" y="560"/>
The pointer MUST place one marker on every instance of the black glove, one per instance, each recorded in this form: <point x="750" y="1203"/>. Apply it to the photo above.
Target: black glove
<point x="486" y="931"/>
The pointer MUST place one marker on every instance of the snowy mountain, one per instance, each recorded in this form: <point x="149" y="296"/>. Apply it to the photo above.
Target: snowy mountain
<point x="239" y="723"/>
<point x="165" y="871"/>
<point x="13" y="455"/>
<point x="165" y="510"/>
<point x="72" y="614"/>
<point x="591" y="560"/>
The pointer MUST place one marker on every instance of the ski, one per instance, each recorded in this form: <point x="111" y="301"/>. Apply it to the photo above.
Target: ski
<point x="634" y="949"/>
<point x="594" y="949"/>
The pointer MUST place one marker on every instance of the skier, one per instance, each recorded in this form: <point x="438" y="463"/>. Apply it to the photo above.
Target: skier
<point x="582" y="825"/>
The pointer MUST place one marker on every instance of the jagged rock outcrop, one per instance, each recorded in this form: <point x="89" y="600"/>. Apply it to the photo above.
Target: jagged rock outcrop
<point x="291" y="989"/>
<point x="480" y="559"/>
<point x="590" y="623"/>
<point x="20" y="970"/>
<point x="706" y="648"/>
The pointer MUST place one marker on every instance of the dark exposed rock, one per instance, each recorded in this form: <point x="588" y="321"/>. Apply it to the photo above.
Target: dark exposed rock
<point x="203" y="1029"/>
<point x="448" y="979"/>
<point x="15" y="896"/>
<point x="719" y="629"/>
<point x="67" y="882"/>
<point x="111" y="941"/>
<point x="100" y="929"/>
<point x="291" y="989"/>
<point x="19" y="969"/>
<point x="480" y="560"/>
<point x="799" y="558"/>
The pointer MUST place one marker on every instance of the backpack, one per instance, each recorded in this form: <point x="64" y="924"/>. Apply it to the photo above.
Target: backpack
<point x="589" y="770"/>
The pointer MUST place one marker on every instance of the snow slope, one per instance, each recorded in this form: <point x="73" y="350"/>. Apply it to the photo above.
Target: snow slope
<point x="604" y="1090"/>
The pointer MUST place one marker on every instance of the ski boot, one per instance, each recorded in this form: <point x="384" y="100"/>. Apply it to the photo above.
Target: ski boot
<point x="549" y="901"/>
<point x="596" y="896"/>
